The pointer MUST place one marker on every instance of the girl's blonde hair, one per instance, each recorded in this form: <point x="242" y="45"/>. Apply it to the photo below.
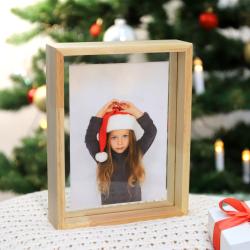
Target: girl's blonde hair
<point x="133" y="160"/>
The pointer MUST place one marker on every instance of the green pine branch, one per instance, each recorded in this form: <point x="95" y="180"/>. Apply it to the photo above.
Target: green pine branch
<point x="236" y="16"/>
<point x="24" y="37"/>
<point x="13" y="99"/>
<point x="222" y="95"/>
<point x="204" y="177"/>
<point x="43" y="12"/>
<point x="26" y="171"/>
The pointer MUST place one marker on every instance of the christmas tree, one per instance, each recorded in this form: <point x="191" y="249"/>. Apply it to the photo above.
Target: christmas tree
<point x="221" y="76"/>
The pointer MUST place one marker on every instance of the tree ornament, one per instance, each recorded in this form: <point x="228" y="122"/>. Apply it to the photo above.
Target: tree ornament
<point x="247" y="52"/>
<point x="27" y="81"/>
<point x="43" y="123"/>
<point x="96" y="28"/>
<point x="208" y="20"/>
<point x="120" y="31"/>
<point x="40" y="98"/>
<point x="30" y="94"/>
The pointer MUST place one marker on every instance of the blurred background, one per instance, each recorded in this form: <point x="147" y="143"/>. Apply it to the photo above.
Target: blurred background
<point x="220" y="32"/>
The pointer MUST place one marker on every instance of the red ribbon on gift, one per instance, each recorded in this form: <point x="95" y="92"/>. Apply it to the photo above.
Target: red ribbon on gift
<point x="241" y="215"/>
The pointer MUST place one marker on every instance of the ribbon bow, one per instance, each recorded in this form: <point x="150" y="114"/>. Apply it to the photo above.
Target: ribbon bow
<point x="241" y="215"/>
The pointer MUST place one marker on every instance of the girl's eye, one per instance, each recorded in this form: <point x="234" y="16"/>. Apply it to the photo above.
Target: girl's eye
<point x="125" y="136"/>
<point x="113" y="137"/>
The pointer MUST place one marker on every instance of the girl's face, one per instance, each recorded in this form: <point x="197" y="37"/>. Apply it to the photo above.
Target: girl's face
<point x="119" y="140"/>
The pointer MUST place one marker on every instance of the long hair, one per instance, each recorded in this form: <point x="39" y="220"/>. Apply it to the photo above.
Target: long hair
<point x="133" y="161"/>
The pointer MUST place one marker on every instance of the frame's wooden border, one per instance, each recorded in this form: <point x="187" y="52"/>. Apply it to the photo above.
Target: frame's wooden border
<point x="179" y="120"/>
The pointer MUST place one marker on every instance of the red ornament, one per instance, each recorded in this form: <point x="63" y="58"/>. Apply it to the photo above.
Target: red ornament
<point x="208" y="20"/>
<point x="31" y="94"/>
<point x="96" y="28"/>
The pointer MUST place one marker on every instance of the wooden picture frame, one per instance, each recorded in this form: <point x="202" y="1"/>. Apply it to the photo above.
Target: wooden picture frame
<point x="178" y="148"/>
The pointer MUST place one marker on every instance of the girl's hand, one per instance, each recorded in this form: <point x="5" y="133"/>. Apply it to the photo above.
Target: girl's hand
<point x="131" y="108"/>
<point x="108" y="107"/>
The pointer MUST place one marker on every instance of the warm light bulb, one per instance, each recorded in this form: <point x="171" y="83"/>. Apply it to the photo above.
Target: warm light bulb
<point x="218" y="146"/>
<point x="197" y="61"/>
<point x="198" y="64"/>
<point x="246" y="155"/>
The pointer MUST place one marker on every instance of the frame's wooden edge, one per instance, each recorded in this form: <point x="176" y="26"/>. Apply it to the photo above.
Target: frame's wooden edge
<point x="101" y="48"/>
<point x="116" y="208"/>
<point x="183" y="133"/>
<point x="123" y="217"/>
<point x="181" y="53"/>
<point x="171" y="125"/>
<point x="55" y="152"/>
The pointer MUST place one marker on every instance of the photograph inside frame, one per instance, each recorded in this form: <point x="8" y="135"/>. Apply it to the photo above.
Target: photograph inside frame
<point x="118" y="116"/>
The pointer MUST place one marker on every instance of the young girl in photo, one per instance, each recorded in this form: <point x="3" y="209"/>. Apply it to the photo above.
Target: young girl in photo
<point x="114" y="145"/>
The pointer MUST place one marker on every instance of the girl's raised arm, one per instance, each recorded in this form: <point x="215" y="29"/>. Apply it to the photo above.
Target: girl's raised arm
<point x="145" y="122"/>
<point x="149" y="132"/>
<point x="131" y="108"/>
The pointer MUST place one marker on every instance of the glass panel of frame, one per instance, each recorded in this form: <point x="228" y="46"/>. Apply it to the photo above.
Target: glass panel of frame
<point x="133" y="89"/>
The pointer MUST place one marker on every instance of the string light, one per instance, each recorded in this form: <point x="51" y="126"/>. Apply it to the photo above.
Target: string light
<point x="219" y="155"/>
<point x="246" y="165"/>
<point x="198" y="76"/>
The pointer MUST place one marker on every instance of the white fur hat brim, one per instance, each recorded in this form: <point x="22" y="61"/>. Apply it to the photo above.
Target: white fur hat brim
<point x="121" y="121"/>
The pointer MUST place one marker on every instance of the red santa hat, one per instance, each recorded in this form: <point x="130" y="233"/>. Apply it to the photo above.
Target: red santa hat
<point x="113" y="120"/>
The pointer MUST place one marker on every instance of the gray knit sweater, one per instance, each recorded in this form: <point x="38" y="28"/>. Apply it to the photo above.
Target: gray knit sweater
<point x="120" y="191"/>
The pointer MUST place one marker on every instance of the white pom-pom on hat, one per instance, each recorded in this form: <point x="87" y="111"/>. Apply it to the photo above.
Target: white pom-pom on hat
<point x="101" y="156"/>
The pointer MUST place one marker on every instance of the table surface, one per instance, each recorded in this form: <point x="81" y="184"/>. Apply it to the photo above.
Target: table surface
<point x="24" y="225"/>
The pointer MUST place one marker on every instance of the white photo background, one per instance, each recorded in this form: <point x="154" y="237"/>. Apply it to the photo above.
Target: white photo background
<point x="91" y="86"/>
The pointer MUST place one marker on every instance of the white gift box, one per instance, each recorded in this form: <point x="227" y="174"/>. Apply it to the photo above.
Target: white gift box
<point x="234" y="238"/>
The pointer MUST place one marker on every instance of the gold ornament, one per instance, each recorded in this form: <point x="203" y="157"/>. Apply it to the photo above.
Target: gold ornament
<point x="39" y="98"/>
<point x="247" y="52"/>
<point x="43" y="123"/>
